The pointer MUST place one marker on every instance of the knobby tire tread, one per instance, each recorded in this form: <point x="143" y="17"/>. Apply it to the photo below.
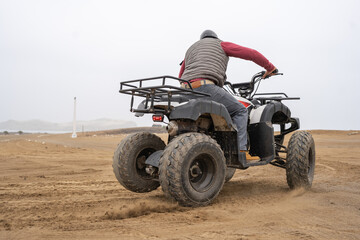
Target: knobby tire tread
<point x="122" y="159"/>
<point x="170" y="167"/>
<point x="300" y="144"/>
<point x="230" y="172"/>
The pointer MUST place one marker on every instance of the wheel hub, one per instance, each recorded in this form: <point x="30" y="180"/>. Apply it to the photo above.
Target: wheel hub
<point x="195" y="170"/>
<point x="201" y="172"/>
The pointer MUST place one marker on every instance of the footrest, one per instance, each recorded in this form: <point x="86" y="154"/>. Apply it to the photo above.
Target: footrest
<point x="242" y="163"/>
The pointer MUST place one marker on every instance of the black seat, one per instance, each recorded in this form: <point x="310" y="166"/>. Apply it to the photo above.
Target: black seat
<point x="243" y="86"/>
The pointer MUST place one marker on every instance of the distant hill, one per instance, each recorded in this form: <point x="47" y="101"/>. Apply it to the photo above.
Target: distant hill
<point x="43" y="126"/>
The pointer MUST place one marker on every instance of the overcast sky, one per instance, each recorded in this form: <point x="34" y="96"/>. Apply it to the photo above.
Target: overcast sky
<point x="51" y="51"/>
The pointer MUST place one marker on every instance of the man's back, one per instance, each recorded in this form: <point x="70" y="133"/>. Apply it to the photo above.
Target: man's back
<point x="206" y="59"/>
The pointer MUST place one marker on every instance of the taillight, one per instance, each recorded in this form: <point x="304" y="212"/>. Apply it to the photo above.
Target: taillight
<point x="158" y="118"/>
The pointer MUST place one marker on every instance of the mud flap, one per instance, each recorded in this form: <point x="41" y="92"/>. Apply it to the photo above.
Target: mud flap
<point x="262" y="141"/>
<point x="154" y="158"/>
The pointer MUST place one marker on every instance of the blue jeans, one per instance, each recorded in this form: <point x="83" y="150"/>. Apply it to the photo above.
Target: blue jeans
<point x="237" y="111"/>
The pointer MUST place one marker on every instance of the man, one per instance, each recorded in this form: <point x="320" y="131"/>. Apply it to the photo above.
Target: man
<point x="205" y="66"/>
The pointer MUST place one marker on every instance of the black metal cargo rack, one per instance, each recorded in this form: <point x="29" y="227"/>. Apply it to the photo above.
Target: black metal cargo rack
<point x="158" y="93"/>
<point x="271" y="97"/>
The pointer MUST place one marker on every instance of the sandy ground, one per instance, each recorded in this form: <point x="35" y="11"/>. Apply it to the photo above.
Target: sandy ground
<point x="55" y="187"/>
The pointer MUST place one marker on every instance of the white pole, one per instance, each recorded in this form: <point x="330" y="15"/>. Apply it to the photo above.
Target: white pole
<point x="74" y="121"/>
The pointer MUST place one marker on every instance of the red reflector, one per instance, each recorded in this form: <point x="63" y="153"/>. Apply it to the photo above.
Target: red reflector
<point x="157" y="118"/>
<point x="245" y="103"/>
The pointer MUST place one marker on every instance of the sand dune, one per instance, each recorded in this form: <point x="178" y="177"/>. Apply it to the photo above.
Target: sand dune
<point x="56" y="187"/>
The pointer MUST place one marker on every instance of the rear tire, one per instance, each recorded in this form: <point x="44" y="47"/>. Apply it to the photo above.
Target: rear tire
<point x="192" y="169"/>
<point x="229" y="174"/>
<point x="300" y="160"/>
<point x="129" y="161"/>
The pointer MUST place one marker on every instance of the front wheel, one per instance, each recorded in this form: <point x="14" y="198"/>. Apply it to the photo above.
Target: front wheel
<point x="192" y="169"/>
<point x="300" y="160"/>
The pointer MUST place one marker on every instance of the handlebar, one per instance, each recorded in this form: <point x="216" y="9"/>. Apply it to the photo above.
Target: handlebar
<point x="247" y="88"/>
<point x="274" y="73"/>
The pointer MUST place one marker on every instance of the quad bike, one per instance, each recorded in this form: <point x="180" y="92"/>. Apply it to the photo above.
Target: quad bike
<point x="202" y="151"/>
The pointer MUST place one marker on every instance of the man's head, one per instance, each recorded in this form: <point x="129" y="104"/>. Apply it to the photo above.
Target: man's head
<point x="208" y="34"/>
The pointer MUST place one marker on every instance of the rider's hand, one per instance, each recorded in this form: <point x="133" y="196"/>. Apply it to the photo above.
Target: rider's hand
<point x="269" y="73"/>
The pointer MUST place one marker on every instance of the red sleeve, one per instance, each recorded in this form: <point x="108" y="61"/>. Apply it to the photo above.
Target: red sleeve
<point x="182" y="69"/>
<point x="234" y="50"/>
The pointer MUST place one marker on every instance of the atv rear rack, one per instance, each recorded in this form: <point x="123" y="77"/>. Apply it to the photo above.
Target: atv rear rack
<point x="158" y="93"/>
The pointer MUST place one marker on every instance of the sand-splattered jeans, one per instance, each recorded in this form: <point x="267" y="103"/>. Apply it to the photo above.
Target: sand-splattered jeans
<point x="237" y="111"/>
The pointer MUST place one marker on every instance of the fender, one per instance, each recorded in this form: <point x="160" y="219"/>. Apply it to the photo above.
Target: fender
<point x="261" y="131"/>
<point x="197" y="107"/>
<point x="274" y="112"/>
